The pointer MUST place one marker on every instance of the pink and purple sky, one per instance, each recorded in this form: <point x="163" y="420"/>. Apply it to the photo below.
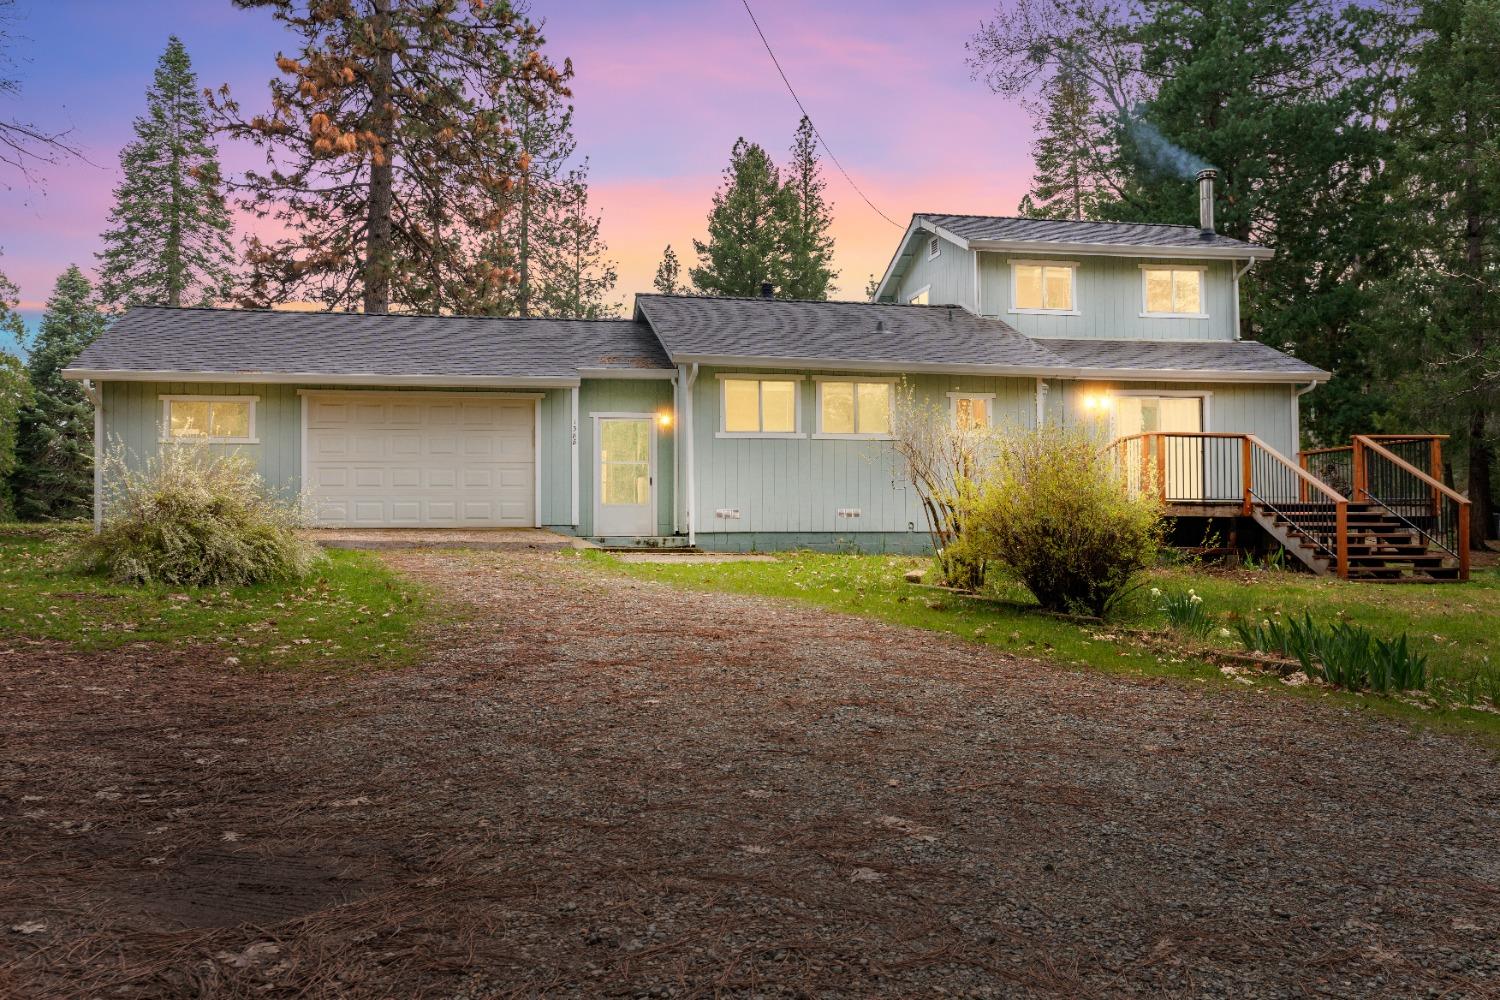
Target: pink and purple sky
<point x="663" y="88"/>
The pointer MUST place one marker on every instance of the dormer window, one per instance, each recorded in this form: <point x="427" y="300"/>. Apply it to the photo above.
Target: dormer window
<point x="1043" y="286"/>
<point x="1172" y="291"/>
<point x="934" y="247"/>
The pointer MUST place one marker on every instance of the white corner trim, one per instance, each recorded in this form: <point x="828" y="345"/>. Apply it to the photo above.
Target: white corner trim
<point x="576" y="473"/>
<point x="536" y="462"/>
<point x="303" y="492"/>
<point x="96" y="393"/>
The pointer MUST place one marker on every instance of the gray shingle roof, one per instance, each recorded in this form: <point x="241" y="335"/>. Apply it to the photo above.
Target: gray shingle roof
<point x="1238" y="356"/>
<point x="856" y="332"/>
<point x="240" y="342"/>
<point x="1008" y="229"/>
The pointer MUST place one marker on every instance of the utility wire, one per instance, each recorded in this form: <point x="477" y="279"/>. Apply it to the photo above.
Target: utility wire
<point x="824" y="142"/>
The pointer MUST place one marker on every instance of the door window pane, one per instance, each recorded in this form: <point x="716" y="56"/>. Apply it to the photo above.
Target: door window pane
<point x="741" y="406"/>
<point x="838" y="407"/>
<point x="624" y="462"/>
<point x="624" y="441"/>
<point x="778" y="402"/>
<point x="1059" y="287"/>
<point x="874" y="412"/>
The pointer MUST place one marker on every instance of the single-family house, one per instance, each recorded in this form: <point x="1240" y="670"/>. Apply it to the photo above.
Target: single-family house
<point x="727" y="423"/>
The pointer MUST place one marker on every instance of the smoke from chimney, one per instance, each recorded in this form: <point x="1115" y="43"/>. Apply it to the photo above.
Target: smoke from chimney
<point x="1206" y="199"/>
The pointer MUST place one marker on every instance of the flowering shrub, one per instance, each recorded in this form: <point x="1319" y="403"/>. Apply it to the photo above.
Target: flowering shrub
<point x="1051" y="506"/>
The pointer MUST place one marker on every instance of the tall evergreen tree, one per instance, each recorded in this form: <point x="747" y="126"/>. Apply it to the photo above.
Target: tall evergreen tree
<point x="55" y="437"/>
<point x="807" y="249"/>
<point x="168" y="240"/>
<point x="389" y="153"/>
<point x="744" y="246"/>
<point x="15" y="390"/>
<point x="578" y="274"/>
<point x="1448" y="294"/>
<point x="668" y="280"/>
<point x="1072" y="152"/>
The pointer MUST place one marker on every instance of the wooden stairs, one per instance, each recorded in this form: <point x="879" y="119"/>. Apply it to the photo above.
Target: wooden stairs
<point x="1398" y="522"/>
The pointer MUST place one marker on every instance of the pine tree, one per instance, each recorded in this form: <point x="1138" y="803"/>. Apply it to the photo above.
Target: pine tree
<point x="1444" y="308"/>
<point x="1071" y="151"/>
<point x="55" y="438"/>
<point x="168" y="240"/>
<point x="745" y="246"/>
<point x="577" y="274"/>
<point x="15" y="391"/>
<point x="807" y="249"/>
<point x="668" y="274"/>
<point x="391" y="155"/>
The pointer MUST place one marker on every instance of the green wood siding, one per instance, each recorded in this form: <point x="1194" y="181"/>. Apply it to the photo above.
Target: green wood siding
<point x="949" y="277"/>
<point x="653" y="396"/>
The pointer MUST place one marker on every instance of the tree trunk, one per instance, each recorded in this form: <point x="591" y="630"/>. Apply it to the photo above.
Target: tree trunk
<point x="1480" y="484"/>
<point x="382" y="175"/>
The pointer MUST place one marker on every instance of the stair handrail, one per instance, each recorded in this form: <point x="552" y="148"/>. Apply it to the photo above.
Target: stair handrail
<point x="1307" y="484"/>
<point x="1364" y="442"/>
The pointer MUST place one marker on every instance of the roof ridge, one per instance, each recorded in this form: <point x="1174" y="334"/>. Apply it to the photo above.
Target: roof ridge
<point x="1071" y="222"/>
<point x="814" y="302"/>
<point x="390" y="315"/>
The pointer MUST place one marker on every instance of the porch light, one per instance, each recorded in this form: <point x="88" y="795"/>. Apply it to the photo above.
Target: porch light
<point x="1097" y="402"/>
<point x="664" y="419"/>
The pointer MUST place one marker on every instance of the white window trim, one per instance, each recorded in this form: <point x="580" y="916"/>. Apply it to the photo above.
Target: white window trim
<point x="924" y="290"/>
<point x="1206" y="395"/>
<point x="1202" y="290"/>
<point x="819" y="434"/>
<point x="166" y="419"/>
<point x="934" y="247"/>
<point x="762" y="435"/>
<point x="987" y="398"/>
<point x="1014" y="310"/>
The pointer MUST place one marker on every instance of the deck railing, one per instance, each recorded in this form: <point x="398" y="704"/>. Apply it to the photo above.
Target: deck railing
<point x="1418" y="499"/>
<point x="1184" y="468"/>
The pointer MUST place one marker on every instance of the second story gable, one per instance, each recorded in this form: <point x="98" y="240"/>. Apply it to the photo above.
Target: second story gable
<point x="1059" y="278"/>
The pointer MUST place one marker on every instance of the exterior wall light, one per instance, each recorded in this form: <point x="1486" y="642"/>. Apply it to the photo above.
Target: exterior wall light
<point x="664" y="419"/>
<point x="1097" y="403"/>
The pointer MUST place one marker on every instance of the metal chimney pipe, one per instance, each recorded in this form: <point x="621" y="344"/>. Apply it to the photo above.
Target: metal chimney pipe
<point x="1206" y="199"/>
<point x="767" y="290"/>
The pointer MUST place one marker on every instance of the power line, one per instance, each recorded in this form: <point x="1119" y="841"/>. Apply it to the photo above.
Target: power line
<point x="824" y="142"/>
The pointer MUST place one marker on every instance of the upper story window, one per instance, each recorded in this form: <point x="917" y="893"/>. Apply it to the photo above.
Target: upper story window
<point x="934" y="247"/>
<point x="1172" y="291"/>
<point x="759" y="407"/>
<point x="210" y="419"/>
<point x="851" y="408"/>
<point x="1043" y="286"/>
<point x="920" y="298"/>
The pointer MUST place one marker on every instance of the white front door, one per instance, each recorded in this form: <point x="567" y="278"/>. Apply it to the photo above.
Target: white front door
<point x="419" y="459"/>
<point x="1181" y="457"/>
<point x="625" y="502"/>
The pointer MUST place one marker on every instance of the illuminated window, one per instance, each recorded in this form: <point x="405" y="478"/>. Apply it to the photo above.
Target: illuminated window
<point x="919" y="299"/>
<point x="854" y="409"/>
<point x="760" y="406"/>
<point x="1040" y="286"/>
<point x="972" y="409"/>
<point x="213" y="419"/>
<point x="1173" y="291"/>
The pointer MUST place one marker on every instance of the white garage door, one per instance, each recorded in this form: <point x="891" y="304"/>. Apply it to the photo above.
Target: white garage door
<point x="457" y="460"/>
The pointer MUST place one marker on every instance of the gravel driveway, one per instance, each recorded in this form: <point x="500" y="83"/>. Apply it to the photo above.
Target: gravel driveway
<point x="601" y="787"/>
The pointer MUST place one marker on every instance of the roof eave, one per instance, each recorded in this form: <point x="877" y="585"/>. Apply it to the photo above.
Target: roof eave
<point x="320" y="378"/>
<point x="1123" y="250"/>
<point x="1018" y="371"/>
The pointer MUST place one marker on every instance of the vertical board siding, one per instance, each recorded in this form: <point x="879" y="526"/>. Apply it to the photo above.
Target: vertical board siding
<point x="1109" y="300"/>
<point x="133" y="427"/>
<point x="653" y="396"/>
<point x="797" y="485"/>
<point x="949" y="277"/>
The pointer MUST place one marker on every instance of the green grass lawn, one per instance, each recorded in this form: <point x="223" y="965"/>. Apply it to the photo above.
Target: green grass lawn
<point x="352" y="610"/>
<point x="1455" y="624"/>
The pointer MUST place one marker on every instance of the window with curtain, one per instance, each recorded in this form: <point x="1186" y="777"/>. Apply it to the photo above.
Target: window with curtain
<point x="1173" y="291"/>
<point x="230" y="419"/>
<point x="854" y="408"/>
<point x="1043" y="287"/>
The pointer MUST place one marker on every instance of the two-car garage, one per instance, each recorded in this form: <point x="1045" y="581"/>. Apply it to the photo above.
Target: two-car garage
<point x="420" y="459"/>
